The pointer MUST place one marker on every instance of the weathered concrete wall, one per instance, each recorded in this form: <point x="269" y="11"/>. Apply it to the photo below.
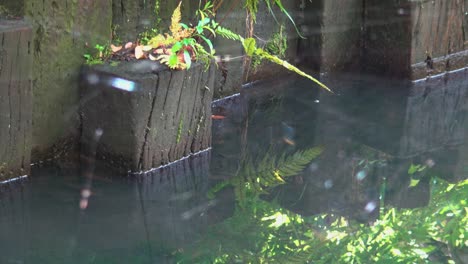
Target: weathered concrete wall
<point x="391" y="38"/>
<point x="333" y="31"/>
<point x="15" y="98"/>
<point x="386" y="42"/>
<point x="229" y="76"/>
<point x="436" y="114"/>
<point x="234" y="69"/>
<point x="61" y="31"/>
<point x="168" y="117"/>
<point x="11" y="8"/>
<point x="130" y="17"/>
<point x="439" y="29"/>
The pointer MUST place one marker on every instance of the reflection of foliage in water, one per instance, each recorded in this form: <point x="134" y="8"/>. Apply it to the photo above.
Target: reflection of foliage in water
<point x="263" y="232"/>
<point x="254" y="177"/>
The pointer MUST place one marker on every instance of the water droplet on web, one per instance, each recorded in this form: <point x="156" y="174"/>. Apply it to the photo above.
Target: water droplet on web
<point x="430" y="163"/>
<point x="92" y="78"/>
<point x="328" y="184"/>
<point x="361" y="175"/>
<point x="370" y="206"/>
<point x="313" y="167"/>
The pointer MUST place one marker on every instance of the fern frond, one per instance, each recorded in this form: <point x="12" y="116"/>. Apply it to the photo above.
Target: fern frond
<point x="255" y="178"/>
<point x="175" y="20"/>
<point x="203" y="55"/>
<point x="296" y="163"/>
<point x="298" y="257"/>
<point x="263" y="54"/>
<point x="252" y="7"/>
<point x="271" y="172"/>
<point x="228" y="34"/>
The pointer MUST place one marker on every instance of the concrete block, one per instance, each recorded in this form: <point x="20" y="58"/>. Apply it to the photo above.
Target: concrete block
<point x="15" y="98"/>
<point x="166" y="117"/>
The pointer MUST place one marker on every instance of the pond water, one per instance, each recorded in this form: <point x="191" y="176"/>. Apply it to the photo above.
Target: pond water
<point x="373" y="173"/>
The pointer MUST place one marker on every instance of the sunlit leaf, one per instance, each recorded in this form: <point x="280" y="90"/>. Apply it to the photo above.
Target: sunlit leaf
<point x="177" y="46"/>
<point x="147" y="48"/>
<point x="250" y="46"/>
<point x="173" y="61"/>
<point x="210" y="45"/>
<point x="187" y="59"/>
<point x="157" y="41"/>
<point x="139" y="54"/>
<point x="115" y="48"/>
<point x="128" y="45"/>
<point x="414" y="182"/>
<point x="159" y="51"/>
<point x="175" y="20"/>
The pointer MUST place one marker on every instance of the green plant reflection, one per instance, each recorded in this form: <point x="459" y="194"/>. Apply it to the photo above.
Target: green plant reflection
<point x="263" y="232"/>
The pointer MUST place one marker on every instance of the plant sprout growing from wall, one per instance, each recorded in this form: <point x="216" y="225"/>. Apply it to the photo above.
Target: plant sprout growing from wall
<point x="185" y="43"/>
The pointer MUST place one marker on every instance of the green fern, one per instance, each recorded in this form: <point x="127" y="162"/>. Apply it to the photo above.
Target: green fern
<point x="252" y="7"/>
<point x="263" y="54"/>
<point x="251" y="49"/>
<point x="227" y="34"/>
<point x="256" y="177"/>
<point x="299" y="257"/>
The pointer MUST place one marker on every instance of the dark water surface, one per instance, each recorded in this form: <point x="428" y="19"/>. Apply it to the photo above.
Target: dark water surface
<point x="384" y="145"/>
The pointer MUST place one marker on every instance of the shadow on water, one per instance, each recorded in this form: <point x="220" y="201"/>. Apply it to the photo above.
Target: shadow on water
<point x="373" y="133"/>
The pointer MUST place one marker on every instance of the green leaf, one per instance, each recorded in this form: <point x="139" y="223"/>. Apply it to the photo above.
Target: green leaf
<point x="208" y="42"/>
<point x="204" y="22"/>
<point x="173" y="60"/>
<point x="280" y="5"/>
<point x="199" y="29"/>
<point x="177" y="46"/>
<point x="271" y="10"/>
<point x="187" y="59"/>
<point x="184" y="25"/>
<point x="250" y="46"/>
<point x="210" y="29"/>
<point x="188" y="41"/>
<point x="415" y="168"/>
<point x="414" y="182"/>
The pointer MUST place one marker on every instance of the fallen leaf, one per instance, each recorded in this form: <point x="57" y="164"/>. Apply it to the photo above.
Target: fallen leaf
<point x="139" y="54"/>
<point x="158" y="51"/>
<point x="147" y="48"/>
<point x="128" y="45"/>
<point x="151" y="57"/>
<point x="115" y="48"/>
<point x="217" y="117"/>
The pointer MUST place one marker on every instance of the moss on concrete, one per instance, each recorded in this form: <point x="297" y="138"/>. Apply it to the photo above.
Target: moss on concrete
<point x="62" y="30"/>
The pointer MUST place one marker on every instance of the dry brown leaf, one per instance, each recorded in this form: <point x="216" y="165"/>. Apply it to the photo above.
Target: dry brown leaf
<point x="128" y="45"/>
<point x="159" y="51"/>
<point x="115" y="48"/>
<point x="139" y="54"/>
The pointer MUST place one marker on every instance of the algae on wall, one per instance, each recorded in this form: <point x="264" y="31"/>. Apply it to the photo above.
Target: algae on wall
<point x="11" y="8"/>
<point x="132" y="17"/>
<point x="62" y="31"/>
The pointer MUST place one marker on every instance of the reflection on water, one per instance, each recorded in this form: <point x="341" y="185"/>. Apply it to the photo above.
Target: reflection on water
<point x="374" y="174"/>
